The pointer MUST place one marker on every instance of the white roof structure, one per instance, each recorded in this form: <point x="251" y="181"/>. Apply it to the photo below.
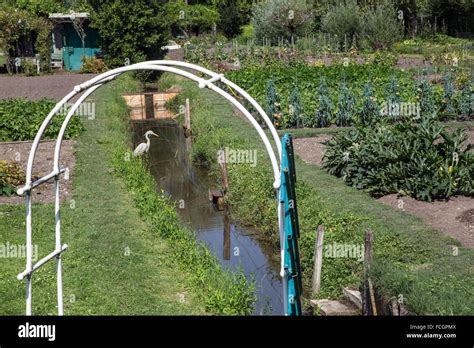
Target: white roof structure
<point x="71" y="16"/>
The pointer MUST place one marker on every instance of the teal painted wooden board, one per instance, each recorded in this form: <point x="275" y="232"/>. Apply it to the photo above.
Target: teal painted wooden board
<point x="73" y="50"/>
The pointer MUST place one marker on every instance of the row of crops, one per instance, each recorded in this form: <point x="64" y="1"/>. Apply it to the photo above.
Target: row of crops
<point x="20" y="120"/>
<point x="302" y="95"/>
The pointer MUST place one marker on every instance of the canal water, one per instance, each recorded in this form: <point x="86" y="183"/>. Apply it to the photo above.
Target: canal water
<point x="189" y="186"/>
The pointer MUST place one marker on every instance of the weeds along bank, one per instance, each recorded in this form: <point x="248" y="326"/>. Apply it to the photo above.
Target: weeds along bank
<point x="412" y="262"/>
<point x="223" y="292"/>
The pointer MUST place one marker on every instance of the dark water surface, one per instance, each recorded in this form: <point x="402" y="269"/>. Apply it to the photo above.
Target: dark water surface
<point x="189" y="185"/>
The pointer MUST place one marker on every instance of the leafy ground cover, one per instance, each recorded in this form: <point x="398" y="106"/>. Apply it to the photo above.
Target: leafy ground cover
<point x="20" y="119"/>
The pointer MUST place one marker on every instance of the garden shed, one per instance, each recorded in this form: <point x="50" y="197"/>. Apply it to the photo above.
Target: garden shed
<point x="73" y="39"/>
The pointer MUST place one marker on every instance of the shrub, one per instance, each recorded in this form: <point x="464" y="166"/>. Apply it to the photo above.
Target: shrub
<point x="343" y="21"/>
<point x="17" y="23"/>
<point x="233" y="15"/>
<point x="20" y="119"/>
<point x="11" y="176"/>
<point x="92" y="65"/>
<point x="130" y="29"/>
<point x="280" y="19"/>
<point x="380" y="28"/>
<point x="419" y="159"/>
<point x="248" y="33"/>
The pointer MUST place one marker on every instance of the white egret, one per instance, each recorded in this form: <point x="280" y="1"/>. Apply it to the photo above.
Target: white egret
<point x="144" y="147"/>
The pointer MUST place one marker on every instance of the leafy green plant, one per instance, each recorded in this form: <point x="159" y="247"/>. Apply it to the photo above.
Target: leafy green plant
<point x="295" y="111"/>
<point x="11" y="176"/>
<point x="419" y="159"/>
<point x="325" y="107"/>
<point x="253" y="80"/>
<point x="345" y="106"/>
<point x="382" y="57"/>
<point x="20" y="119"/>
<point x="273" y="105"/>
<point x="465" y="100"/>
<point x="447" y="107"/>
<point x="370" y="111"/>
<point x="425" y="96"/>
<point x="392" y="95"/>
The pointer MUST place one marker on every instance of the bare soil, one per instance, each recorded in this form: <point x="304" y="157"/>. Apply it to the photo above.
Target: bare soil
<point x="42" y="165"/>
<point x="37" y="87"/>
<point x="311" y="150"/>
<point x="454" y="217"/>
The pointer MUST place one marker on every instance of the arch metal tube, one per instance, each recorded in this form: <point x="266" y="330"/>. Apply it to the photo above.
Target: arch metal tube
<point x="89" y="87"/>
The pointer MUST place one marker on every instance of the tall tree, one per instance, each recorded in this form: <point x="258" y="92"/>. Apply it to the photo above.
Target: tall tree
<point x="132" y="30"/>
<point x="233" y="15"/>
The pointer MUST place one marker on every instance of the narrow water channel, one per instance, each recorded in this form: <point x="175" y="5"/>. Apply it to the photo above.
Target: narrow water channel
<point x="188" y="185"/>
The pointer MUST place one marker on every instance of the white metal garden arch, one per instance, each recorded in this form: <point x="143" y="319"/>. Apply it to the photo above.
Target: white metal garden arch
<point x="87" y="88"/>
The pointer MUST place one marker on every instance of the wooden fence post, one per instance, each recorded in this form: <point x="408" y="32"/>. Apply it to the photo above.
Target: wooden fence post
<point x="318" y="259"/>
<point x="227" y="225"/>
<point x="368" y="297"/>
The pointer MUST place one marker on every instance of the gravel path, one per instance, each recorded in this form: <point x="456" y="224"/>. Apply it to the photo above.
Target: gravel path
<point x="36" y="87"/>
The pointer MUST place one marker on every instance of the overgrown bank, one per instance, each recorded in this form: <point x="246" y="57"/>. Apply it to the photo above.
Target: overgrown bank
<point x="223" y="292"/>
<point x="412" y="261"/>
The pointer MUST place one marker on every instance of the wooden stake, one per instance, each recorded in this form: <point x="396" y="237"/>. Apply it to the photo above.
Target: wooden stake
<point x="224" y="175"/>
<point x="187" y="126"/>
<point x="226" y="247"/>
<point x="318" y="259"/>
<point x="227" y="225"/>
<point x="368" y="296"/>
<point x="187" y="118"/>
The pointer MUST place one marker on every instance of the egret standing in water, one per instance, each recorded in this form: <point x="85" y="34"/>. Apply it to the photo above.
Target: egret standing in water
<point x="144" y="147"/>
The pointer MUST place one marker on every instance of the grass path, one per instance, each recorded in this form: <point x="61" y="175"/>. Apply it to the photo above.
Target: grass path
<point x="115" y="265"/>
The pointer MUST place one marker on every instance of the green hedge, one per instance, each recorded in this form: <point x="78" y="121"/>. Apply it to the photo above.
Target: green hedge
<point x="20" y="119"/>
